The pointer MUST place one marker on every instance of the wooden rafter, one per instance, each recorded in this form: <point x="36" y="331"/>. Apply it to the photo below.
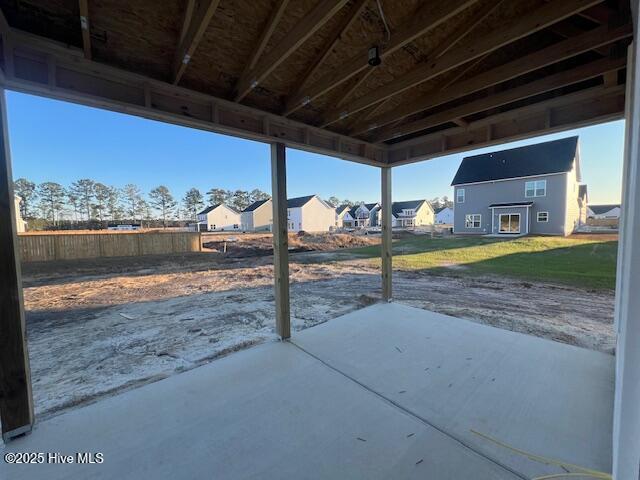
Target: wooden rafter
<point x="265" y="36"/>
<point x="555" y="53"/>
<point x="425" y="20"/>
<point x="310" y="23"/>
<point x="544" y="16"/>
<point x="84" y="26"/>
<point x="598" y="13"/>
<point x="329" y="45"/>
<point x="537" y="87"/>
<point x="192" y="36"/>
<point x="592" y="105"/>
<point x="451" y="40"/>
<point x="567" y="30"/>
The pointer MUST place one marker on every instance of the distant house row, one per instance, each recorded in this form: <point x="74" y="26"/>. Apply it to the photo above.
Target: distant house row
<point x="312" y="214"/>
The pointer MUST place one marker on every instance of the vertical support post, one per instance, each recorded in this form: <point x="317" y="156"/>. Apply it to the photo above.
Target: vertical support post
<point x="280" y="239"/>
<point x="626" y="416"/>
<point x="387" y="293"/>
<point x="16" y="401"/>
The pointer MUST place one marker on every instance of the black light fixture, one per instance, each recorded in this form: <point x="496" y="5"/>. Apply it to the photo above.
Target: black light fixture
<point x="374" y="56"/>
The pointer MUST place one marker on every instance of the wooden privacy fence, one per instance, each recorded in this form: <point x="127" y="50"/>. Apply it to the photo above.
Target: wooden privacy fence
<point x="67" y="246"/>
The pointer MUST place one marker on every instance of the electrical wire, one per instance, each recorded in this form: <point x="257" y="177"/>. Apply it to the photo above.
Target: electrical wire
<point x="384" y="20"/>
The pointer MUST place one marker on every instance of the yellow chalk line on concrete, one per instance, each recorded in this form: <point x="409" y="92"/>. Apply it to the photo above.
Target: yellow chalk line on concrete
<point x="582" y="471"/>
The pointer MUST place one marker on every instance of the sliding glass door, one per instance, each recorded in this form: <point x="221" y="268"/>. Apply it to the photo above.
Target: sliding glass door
<point x="510" y="223"/>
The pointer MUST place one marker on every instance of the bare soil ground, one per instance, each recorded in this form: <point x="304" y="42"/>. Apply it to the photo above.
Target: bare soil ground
<point x="103" y="325"/>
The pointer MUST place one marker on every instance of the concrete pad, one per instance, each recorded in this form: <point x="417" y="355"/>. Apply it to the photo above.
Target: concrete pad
<point x="546" y="397"/>
<point x="272" y="411"/>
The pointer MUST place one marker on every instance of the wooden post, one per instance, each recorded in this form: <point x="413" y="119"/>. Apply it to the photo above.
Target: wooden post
<point x="16" y="402"/>
<point x="626" y="416"/>
<point x="280" y="239"/>
<point x="386" y="234"/>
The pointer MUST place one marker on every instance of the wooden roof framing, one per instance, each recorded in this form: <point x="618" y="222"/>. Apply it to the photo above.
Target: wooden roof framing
<point x="454" y="75"/>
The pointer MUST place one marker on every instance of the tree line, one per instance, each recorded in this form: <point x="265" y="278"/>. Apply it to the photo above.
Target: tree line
<point x="86" y="202"/>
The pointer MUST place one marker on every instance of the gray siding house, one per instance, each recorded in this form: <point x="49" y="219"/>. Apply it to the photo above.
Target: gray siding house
<point x="533" y="189"/>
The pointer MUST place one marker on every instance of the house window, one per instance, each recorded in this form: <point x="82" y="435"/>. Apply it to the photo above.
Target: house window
<point x="460" y="195"/>
<point x="288" y="212"/>
<point x="535" y="189"/>
<point x="472" y="221"/>
<point x="543" y="216"/>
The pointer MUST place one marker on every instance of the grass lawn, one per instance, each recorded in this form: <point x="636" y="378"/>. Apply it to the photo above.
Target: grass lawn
<point x="582" y="261"/>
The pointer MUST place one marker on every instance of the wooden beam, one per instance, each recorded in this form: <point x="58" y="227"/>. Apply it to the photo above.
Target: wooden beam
<point x="16" y="401"/>
<point x="101" y="86"/>
<point x="323" y="11"/>
<point x="427" y="18"/>
<point x="186" y="19"/>
<point x="191" y="38"/>
<point x="546" y="84"/>
<point x="582" y="108"/>
<point x="461" y="30"/>
<point x="387" y="235"/>
<point x="268" y="30"/>
<point x="567" y="29"/>
<point x="598" y="13"/>
<point x="85" y="27"/>
<point x="553" y="54"/>
<point x="280" y="239"/>
<point x="544" y="16"/>
<point x="330" y="44"/>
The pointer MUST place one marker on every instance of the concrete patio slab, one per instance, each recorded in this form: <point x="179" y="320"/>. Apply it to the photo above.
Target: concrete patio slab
<point x="386" y="392"/>
<point x="546" y="397"/>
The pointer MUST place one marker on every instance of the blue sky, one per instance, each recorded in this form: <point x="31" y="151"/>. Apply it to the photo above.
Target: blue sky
<point x="61" y="142"/>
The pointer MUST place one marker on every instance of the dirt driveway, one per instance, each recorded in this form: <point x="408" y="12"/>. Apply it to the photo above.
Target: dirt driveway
<point x="100" y="326"/>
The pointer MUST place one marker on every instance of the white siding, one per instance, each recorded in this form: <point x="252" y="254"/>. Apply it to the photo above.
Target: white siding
<point x="221" y="218"/>
<point x="316" y="216"/>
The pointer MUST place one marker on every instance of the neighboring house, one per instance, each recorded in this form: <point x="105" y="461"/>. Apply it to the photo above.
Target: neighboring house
<point x="603" y="211"/>
<point x="311" y="214"/>
<point x="365" y="215"/>
<point x="532" y="189"/>
<point x="257" y="217"/>
<point x="218" y="217"/>
<point x="410" y="214"/>
<point x="21" y="225"/>
<point x="343" y="217"/>
<point x="444" y="216"/>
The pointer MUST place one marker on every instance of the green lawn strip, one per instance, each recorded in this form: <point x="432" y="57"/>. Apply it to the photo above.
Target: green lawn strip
<point x="574" y="261"/>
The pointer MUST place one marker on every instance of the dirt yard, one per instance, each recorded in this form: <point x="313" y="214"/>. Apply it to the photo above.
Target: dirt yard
<point x="99" y="326"/>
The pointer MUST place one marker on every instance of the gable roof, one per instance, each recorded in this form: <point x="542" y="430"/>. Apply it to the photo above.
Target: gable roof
<point x="255" y="205"/>
<point x="213" y="207"/>
<point x="397" y="207"/>
<point x="298" y="201"/>
<point x="540" y="159"/>
<point x="209" y="209"/>
<point x="342" y="208"/>
<point x="439" y="209"/>
<point x="600" y="209"/>
<point x="371" y="206"/>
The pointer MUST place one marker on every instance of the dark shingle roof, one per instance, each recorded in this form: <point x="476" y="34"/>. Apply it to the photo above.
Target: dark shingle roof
<point x="255" y="205"/>
<point x="370" y="206"/>
<point x="600" y="209"/>
<point x="397" y="207"/>
<point x="208" y="209"/>
<point x="438" y="210"/>
<point x="511" y="204"/>
<point x="298" y="201"/>
<point x="342" y="208"/>
<point x="539" y="159"/>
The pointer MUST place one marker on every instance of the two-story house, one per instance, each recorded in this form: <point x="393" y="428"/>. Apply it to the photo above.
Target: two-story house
<point x="365" y="215"/>
<point x="343" y="217"/>
<point x="218" y="217"/>
<point x="410" y="214"/>
<point x="257" y="217"/>
<point x="311" y="214"/>
<point x="532" y="189"/>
